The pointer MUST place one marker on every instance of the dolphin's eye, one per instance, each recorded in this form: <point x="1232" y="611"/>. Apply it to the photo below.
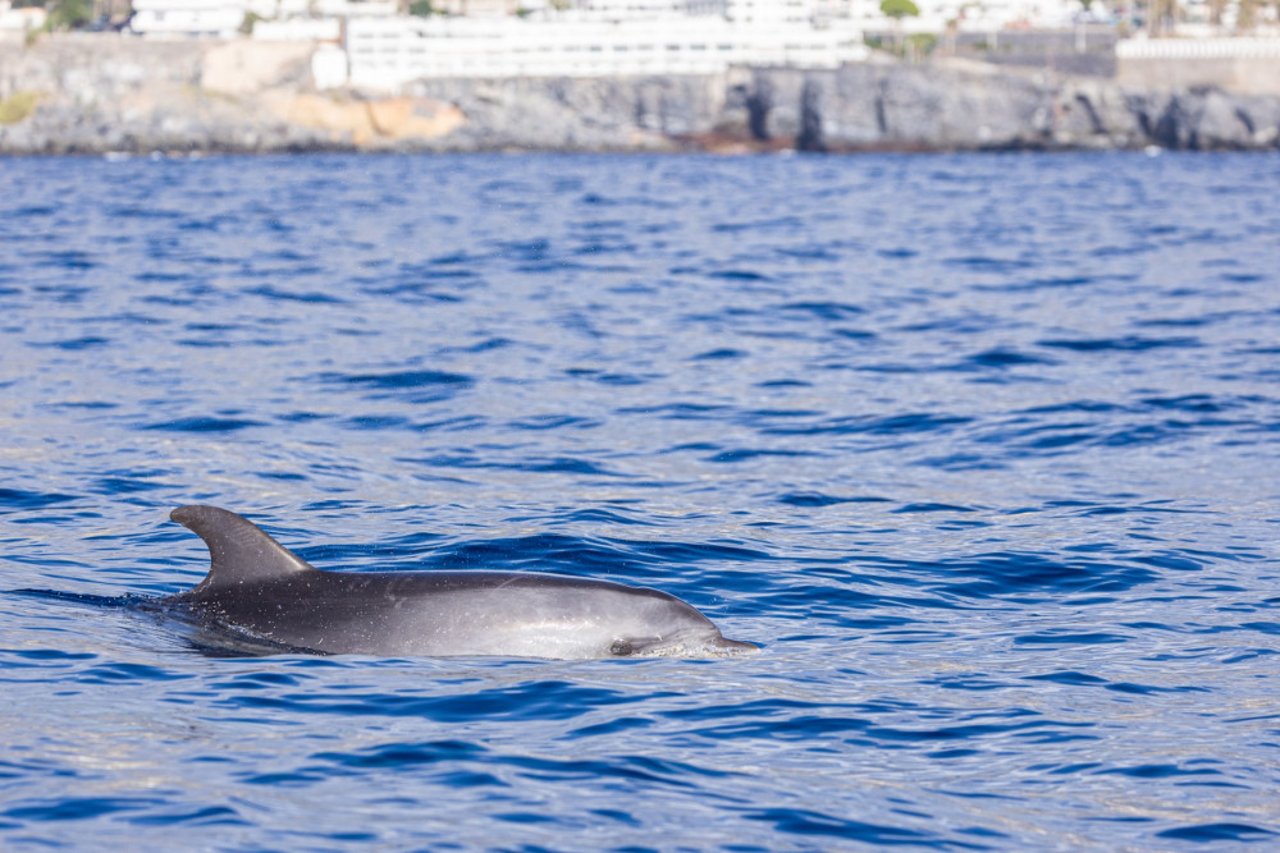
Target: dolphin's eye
<point x="622" y="649"/>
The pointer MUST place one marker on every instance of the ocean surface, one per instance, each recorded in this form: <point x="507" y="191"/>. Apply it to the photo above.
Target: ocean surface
<point x="984" y="451"/>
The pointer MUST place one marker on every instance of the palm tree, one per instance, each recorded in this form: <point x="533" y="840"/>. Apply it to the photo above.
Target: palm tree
<point x="898" y="9"/>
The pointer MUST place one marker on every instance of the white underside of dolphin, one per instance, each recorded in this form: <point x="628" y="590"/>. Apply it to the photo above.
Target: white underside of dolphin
<point x="258" y="588"/>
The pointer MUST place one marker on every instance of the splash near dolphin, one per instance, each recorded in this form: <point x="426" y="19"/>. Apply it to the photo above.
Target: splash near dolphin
<point x="260" y="589"/>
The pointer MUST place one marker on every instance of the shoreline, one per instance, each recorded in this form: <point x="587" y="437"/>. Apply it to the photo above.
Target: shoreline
<point x="213" y="153"/>
<point x="93" y="96"/>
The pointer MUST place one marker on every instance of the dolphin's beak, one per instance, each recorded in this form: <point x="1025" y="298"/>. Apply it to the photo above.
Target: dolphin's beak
<point x="728" y="647"/>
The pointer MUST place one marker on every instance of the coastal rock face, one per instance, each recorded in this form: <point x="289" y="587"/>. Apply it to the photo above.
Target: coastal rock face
<point x="245" y="67"/>
<point x="112" y="94"/>
<point x="1209" y="119"/>
<point x="924" y="107"/>
<point x="966" y="106"/>
<point x="97" y="93"/>
<point x="652" y="113"/>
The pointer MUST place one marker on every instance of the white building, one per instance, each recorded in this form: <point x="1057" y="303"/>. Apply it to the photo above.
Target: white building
<point x="345" y="8"/>
<point x="637" y="10"/>
<point x="936" y="16"/>
<point x="329" y="67"/>
<point x="191" y="18"/>
<point x="743" y="11"/>
<point x="478" y="8"/>
<point x="285" y="20"/>
<point x="386" y="53"/>
<point x="299" y="29"/>
<point x="770" y="12"/>
<point x="20" y="21"/>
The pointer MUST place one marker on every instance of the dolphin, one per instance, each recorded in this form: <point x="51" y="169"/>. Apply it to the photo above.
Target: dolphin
<point x="259" y="590"/>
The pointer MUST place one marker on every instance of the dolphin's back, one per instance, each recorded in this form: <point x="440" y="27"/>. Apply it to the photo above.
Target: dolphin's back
<point x="451" y="613"/>
<point x="256" y="587"/>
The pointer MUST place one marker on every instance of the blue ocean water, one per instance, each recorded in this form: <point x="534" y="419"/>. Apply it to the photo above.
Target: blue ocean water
<point x="983" y="450"/>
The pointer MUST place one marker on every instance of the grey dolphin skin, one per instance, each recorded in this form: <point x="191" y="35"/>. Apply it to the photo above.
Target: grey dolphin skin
<point x="257" y="587"/>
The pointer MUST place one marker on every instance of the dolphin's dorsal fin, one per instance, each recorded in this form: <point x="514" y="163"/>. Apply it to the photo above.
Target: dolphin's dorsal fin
<point x="239" y="551"/>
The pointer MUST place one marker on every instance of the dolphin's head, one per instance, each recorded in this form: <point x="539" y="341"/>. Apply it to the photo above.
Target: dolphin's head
<point x="674" y="628"/>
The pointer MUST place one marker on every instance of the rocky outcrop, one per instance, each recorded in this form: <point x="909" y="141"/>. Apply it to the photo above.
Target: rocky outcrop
<point x="601" y="114"/>
<point x="968" y="106"/>
<point x="106" y="93"/>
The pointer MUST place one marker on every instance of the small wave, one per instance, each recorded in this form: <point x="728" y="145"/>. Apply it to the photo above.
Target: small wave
<point x="1127" y="343"/>
<point x="823" y="310"/>
<point x="813" y="824"/>
<point x="1001" y="357"/>
<point x="818" y="499"/>
<point x="882" y="426"/>
<point x="203" y="424"/>
<point x="310" y="297"/>
<point x="12" y="500"/>
<point x="77" y="808"/>
<point x="743" y="454"/>
<point x="723" y="354"/>
<point x="539" y="700"/>
<point x="1207" y="833"/>
<point x="409" y="386"/>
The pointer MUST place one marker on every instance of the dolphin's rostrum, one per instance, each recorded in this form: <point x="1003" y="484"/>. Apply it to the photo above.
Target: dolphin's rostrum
<point x="257" y="587"/>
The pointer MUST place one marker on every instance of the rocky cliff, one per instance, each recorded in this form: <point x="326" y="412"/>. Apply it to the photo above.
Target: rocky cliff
<point x="90" y="94"/>
<point x="972" y="106"/>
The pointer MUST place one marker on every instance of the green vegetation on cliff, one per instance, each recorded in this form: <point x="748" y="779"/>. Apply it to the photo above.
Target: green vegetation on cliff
<point x="70" y="15"/>
<point x="18" y="106"/>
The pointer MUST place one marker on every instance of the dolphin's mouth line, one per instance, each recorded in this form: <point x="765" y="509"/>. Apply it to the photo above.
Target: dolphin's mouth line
<point x="699" y="651"/>
<point x="684" y="645"/>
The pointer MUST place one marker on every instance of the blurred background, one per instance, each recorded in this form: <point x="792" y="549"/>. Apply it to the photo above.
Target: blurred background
<point x="723" y="75"/>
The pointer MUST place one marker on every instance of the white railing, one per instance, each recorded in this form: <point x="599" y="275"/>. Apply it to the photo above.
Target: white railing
<point x="298" y="29"/>
<point x="1216" y="48"/>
